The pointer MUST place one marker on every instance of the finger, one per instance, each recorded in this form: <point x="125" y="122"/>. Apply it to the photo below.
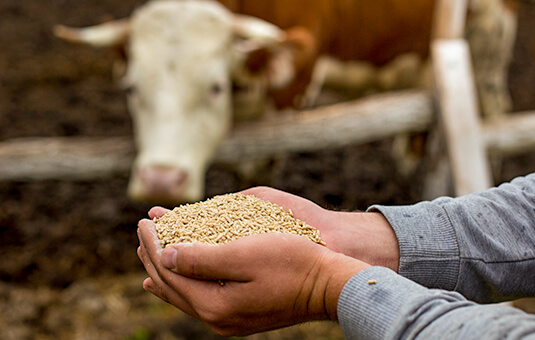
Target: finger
<point x="234" y="261"/>
<point x="206" y="262"/>
<point x="150" y="254"/>
<point x="151" y="250"/>
<point x="147" y="262"/>
<point x="185" y="297"/>
<point x="150" y="268"/>
<point x="151" y="287"/>
<point x="155" y="285"/>
<point x="149" y="236"/>
<point x="167" y="294"/>
<point x="157" y="212"/>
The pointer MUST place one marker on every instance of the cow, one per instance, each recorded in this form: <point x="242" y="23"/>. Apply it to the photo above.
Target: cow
<point x="181" y="57"/>
<point x="194" y="66"/>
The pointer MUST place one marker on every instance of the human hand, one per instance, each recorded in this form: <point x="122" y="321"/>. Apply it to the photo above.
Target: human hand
<point x="270" y="280"/>
<point x="366" y="236"/>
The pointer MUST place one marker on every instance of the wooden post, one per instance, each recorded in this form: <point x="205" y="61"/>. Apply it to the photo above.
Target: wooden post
<point x="459" y="115"/>
<point x="457" y="99"/>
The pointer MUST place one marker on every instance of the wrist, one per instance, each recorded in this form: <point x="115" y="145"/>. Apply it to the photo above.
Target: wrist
<point x="366" y="236"/>
<point x="340" y="269"/>
<point x="387" y="245"/>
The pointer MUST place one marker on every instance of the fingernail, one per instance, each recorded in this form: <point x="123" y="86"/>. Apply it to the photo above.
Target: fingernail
<point x="147" y="286"/>
<point x="169" y="256"/>
<point x="148" y="289"/>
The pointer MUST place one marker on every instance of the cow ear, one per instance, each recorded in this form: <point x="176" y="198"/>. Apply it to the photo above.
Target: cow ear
<point x="279" y="63"/>
<point x="294" y="56"/>
<point x="274" y="64"/>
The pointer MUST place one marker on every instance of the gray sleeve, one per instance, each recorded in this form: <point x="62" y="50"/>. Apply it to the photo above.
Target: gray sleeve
<point x="481" y="245"/>
<point x="379" y="304"/>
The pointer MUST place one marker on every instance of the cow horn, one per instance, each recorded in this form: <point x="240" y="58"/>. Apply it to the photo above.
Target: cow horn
<point x="108" y="34"/>
<point x="257" y="29"/>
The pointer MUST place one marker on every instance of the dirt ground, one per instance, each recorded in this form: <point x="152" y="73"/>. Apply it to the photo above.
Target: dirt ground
<point x="69" y="268"/>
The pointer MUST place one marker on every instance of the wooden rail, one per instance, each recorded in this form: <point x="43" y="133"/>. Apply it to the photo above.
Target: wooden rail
<point x="352" y="123"/>
<point x="355" y="122"/>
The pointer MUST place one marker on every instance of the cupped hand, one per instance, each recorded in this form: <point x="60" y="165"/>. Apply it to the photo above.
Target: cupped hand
<point x="366" y="236"/>
<point x="253" y="284"/>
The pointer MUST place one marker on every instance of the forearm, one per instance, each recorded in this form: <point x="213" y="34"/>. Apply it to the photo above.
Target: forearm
<point x="379" y="304"/>
<point x="489" y="237"/>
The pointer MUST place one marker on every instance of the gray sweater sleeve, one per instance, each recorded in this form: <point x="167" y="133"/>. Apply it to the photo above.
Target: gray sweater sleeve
<point x="481" y="245"/>
<point x="379" y="304"/>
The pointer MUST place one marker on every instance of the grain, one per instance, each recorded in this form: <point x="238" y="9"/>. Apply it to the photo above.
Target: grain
<point x="225" y="218"/>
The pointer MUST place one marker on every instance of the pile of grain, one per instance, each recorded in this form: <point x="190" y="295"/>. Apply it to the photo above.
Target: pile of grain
<point x="227" y="217"/>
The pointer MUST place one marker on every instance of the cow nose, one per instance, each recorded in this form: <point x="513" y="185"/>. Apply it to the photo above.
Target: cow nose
<point x="162" y="182"/>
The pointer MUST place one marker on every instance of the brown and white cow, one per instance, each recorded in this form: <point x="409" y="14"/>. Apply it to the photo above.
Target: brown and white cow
<point x="189" y="61"/>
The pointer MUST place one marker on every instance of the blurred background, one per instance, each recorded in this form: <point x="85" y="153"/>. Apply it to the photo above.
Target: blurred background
<point x="69" y="268"/>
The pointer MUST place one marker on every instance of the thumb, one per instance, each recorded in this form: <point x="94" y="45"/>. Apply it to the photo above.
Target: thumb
<point x="169" y="255"/>
<point x="207" y="262"/>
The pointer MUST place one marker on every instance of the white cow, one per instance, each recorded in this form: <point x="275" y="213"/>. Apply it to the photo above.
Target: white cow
<point x="182" y="56"/>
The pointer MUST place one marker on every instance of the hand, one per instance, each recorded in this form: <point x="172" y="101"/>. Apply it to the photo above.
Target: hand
<point x="366" y="236"/>
<point x="270" y="281"/>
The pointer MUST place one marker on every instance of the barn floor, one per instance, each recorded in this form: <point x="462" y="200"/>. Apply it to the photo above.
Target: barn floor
<point x="69" y="268"/>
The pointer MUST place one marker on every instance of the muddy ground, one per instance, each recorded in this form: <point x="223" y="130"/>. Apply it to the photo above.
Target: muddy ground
<point x="68" y="266"/>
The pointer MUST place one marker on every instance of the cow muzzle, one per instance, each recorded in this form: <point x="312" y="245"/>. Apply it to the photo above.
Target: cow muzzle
<point x="161" y="184"/>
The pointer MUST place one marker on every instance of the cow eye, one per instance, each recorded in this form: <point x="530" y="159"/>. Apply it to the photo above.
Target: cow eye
<point x="130" y="90"/>
<point x="216" y="89"/>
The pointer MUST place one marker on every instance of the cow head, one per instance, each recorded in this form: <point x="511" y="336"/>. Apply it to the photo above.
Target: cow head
<point x="182" y="58"/>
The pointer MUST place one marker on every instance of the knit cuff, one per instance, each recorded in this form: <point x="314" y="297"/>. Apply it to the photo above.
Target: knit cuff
<point x="429" y="251"/>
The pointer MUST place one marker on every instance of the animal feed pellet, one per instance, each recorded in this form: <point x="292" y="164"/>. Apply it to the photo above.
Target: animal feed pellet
<point x="225" y="218"/>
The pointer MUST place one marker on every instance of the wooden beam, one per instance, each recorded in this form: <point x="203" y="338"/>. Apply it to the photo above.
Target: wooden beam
<point x="510" y="135"/>
<point x="70" y="158"/>
<point x="356" y="122"/>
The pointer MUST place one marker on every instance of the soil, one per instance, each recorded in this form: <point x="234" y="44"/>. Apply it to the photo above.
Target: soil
<point x="69" y="267"/>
